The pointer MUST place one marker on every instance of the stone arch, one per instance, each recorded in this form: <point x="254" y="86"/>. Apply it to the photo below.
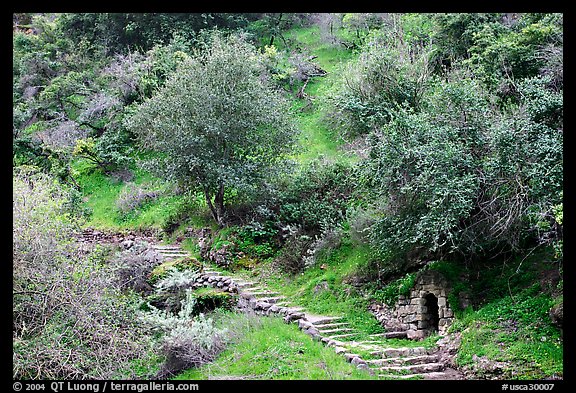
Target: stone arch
<point x="430" y="312"/>
<point x="425" y="310"/>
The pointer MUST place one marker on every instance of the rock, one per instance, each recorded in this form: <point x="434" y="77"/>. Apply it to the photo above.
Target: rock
<point x="340" y="350"/>
<point x="273" y="309"/>
<point x="304" y="324"/>
<point x="127" y="244"/>
<point x="557" y="315"/>
<point x="357" y="361"/>
<point x="322" y="286"/>
<point x="293" y="317"/>
<point x="350" y="356"/>
<point x="312" y="331"/>
<point x="263" y="305"/>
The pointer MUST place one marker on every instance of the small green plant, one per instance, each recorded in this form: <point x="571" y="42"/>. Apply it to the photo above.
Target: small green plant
<point x="390" y="292"/>
<point x="209" y="299"/>
<point x="180" y="264"/>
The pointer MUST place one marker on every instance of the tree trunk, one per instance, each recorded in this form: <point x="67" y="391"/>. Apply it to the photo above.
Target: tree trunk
<point x="216" y="207"/>
<point x="219" y="204"/>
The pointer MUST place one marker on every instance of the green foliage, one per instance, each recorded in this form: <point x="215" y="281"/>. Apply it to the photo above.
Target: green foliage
<point x="121" y="32"/>
<point x="209" y="299"/>
<point x="179" y="264"/>
<point x="390" y="292"/>
<point x="451" y="174"/>
<point x="388" y="74"/>
<point x="318" y="197"/>
<point x="511" y="52"/>
<point x="217" y="123"/>
<point x="454" y="35"/>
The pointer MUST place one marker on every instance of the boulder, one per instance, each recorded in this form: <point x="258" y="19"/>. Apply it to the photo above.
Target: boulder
<point x="557" y="314"/>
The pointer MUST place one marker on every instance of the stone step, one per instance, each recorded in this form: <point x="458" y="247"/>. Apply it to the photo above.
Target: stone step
<point x="396" y="335"/>
<point x="402" y="376"/>
<point x="342" y="335"/>
<point x="372" y="342"/>
<point x="174" y="255"/>
<point x="251" y="289"/>
<point x="259" y="294"/>
<point x="169" y="250"/>
<point x="397" y="352"/>
<point x="244" y="284"/>
<point x="414" y="368"/>
<point x="271" y="300"/>
<point x="422" y="359"/>
<point x="165" y="247"/>
<point x="329" y="325"/>
<point x="294" y="308"/>
<point x="322" y="331"/>
<point x="211" y="273"/>
<point x="320" y="320"/>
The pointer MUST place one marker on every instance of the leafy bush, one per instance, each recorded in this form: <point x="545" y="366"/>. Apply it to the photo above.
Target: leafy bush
<point x="462" y="177"/>
<point x="317" y="198"/>
<point x="134" y="266"/>
<point x="209" y="299"/>
<point x="186" y="341"/>
<point x="388" y="74"/>
<point x="291" y="257"/>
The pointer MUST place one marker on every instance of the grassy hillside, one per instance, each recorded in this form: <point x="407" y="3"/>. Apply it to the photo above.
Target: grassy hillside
<point x="509" y="325"/>
<point x="267" y="348"/>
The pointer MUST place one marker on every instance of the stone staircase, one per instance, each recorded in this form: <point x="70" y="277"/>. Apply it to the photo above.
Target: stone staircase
<point x="383" y="361"/>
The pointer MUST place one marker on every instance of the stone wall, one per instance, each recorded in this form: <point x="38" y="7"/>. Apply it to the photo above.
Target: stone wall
<point x="425" y="310"/>
<point x="421" y="313"/>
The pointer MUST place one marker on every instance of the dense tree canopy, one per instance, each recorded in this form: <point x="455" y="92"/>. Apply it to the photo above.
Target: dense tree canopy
<point x="217" y="123"/>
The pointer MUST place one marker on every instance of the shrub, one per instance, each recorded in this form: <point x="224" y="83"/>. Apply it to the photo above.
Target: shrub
<point x="291" y="257"/>
<point x="69" y="315"/>
<point x="134" y="266"/>
<point x="135" y="196"/>
<point x="462" y="177"/>
<point x="388" y="74"/>
<point x="186" y="341"/>
<point x="317" y="198"/>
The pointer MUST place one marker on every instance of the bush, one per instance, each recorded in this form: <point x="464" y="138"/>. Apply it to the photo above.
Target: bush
<point x="462" y="177"/>
<point x="291" y="257"/>
<point x="388" y="74"/>
<point x="135" y="196"/>
<point x="186" y="341"/>
<point x="134" y="267"/>
<point x="318" y="197"/>
<point x="69" y="315"/>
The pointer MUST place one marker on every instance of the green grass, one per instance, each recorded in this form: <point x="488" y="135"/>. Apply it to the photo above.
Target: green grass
<point x="515" y="330"/>
<point x="317" y="138"/>
<point x="101" y="193"/>
<point x="267" y="348"/>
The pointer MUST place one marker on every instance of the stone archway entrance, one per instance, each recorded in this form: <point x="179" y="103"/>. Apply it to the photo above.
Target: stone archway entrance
<point x="425" y="310"/>
<point x="431" y="316"/>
